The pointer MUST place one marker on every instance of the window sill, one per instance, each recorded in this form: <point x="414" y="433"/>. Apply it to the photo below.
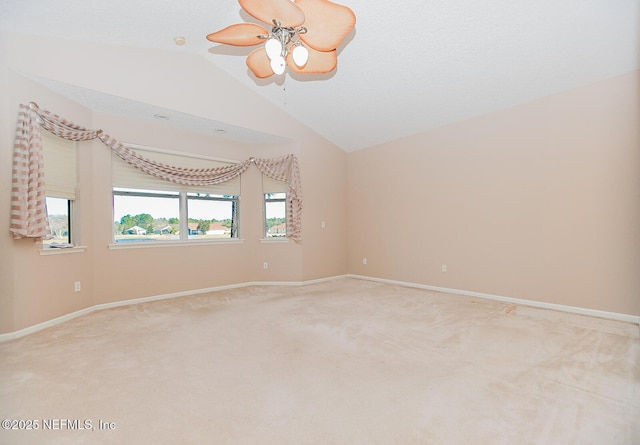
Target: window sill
<point x="150" y="244"/>
<point x="62" y="251"/>
<point x="275" y="240"/>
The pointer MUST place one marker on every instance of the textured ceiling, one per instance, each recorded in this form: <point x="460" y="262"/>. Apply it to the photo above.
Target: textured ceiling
<point x="406" y="68"/>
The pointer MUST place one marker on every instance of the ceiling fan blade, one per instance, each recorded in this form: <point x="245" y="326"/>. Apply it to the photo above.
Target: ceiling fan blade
<point x="327" y="23"/>
<point x="266" y="10"/>
<point x="242" y="34"/>
<point x="259" y="63"/>
<point x="319" y="62"/>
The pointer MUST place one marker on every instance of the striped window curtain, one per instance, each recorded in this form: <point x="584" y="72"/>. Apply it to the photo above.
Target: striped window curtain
<point x="28" y="204"/>
<point x="28" y="193"/>
<point x="178" y="175"/>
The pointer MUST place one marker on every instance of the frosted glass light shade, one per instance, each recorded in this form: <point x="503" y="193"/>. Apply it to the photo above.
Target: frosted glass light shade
<point x="300" y="55"/>
<point x="273" y="48"/>
<point x="278" y="65"/>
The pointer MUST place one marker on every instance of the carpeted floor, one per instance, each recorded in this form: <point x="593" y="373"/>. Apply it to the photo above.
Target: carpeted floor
<point x="339" y="362"/>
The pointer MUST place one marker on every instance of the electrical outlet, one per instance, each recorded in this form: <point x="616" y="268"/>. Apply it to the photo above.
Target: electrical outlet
<point x="77" y="287"/>
<point x="265" y="265"/>
<point x="364" y="261"/>
<point x="444" y="267"/>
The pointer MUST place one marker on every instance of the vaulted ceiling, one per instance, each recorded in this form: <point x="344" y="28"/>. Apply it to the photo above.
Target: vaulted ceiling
<point x="407" y="67"/>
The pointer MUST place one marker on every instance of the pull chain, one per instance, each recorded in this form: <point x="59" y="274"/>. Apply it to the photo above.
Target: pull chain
<point x="284" y="90"/>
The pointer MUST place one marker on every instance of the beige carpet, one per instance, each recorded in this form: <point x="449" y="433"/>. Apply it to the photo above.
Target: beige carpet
<point x="340" y="362"/>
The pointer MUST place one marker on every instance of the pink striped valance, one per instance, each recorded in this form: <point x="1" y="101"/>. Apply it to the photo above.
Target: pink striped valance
<point x="28" y="205"/>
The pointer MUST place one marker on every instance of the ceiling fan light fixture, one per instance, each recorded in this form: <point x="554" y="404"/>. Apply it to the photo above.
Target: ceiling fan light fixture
<point x="304" y="35"/>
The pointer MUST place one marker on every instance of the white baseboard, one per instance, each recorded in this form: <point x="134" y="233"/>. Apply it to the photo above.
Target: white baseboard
<point x="558" y="307"/>
<point x="532" y="303"/>
<point x="97" y="307"/>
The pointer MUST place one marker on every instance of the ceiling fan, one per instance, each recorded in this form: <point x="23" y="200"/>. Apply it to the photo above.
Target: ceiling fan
<point x="304" y="35"/>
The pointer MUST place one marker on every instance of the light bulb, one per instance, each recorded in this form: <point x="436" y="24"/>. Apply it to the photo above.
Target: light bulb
<point x="300" y="55"/>
<point x="273" y="48"/>
<point x="278" y="65"/>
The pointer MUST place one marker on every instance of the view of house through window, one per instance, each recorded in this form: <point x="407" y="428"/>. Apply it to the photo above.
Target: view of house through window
<point x="148" y="215"/>
<point x="275" y="211"/>
<point x="212" y="216"/>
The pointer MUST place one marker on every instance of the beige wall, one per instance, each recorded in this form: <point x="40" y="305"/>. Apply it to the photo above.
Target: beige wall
<point x="540" y="202"/>
<point x="35" y="288"/>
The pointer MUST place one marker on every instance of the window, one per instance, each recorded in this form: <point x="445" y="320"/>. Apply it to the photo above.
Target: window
<point x="59" y="215"/>
<point x="146" y="215"/>
<point x="275" y="207"/>
<point x="148" y="209"/>
<point x="60" y="184"/>
<point x="275" y="210"/>
<point x="212" y="216"/>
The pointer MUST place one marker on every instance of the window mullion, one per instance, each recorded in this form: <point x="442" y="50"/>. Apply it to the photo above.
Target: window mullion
<point x="70" y="216"/>
<point x="184" y="217"/>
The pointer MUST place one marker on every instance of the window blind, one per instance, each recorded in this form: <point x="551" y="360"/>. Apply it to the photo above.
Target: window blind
<point x="59" y="166"/>
<point x="270" y="185"/>
<point x="127" y="176"/>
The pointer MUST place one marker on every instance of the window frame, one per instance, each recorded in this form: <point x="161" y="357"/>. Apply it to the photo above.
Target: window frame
<point x="183" y="216"/>
<point x="235" y="211"/>
<point x="267" y="200"/>
<point x="70" y="241"/>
